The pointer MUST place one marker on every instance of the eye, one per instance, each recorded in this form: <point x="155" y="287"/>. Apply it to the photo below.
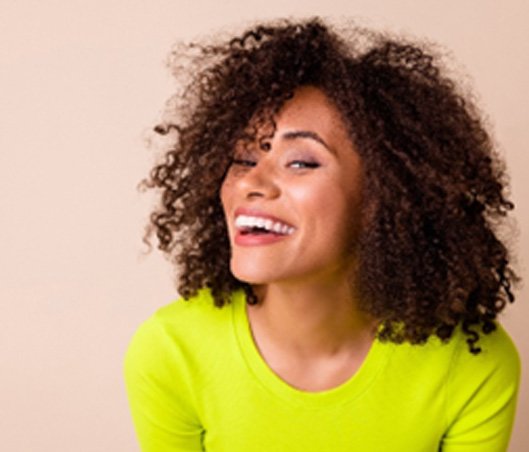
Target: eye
<point x="243" y="162"/>
<point x="300" y="164"/>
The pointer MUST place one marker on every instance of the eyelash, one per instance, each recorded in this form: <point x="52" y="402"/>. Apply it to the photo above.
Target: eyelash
<point x="242" y="162"/>
<point x="250" y="163"/>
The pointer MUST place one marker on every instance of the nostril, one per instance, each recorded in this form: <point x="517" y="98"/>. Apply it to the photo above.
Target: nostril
<point x="254" y="193"/>
<point x="265" y="145"/>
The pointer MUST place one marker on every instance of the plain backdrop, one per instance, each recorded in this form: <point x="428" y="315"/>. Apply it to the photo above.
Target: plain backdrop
<point x="81" y="82"/>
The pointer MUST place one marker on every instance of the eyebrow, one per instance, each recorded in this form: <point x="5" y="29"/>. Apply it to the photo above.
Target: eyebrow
<point x="295" y="134"/>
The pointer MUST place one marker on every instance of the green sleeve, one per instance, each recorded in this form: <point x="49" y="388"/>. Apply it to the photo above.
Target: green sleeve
<point x="159" y="393"/>
<point x="481" y="396"/>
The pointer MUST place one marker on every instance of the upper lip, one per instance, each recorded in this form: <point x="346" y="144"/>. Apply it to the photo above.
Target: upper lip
<point x="253" y="212"/>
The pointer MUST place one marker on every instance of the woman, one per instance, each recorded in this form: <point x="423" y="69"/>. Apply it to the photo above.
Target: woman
<point x="331" y="204"/>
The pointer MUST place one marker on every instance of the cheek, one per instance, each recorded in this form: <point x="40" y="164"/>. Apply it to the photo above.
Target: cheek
<point x="227" y="199"/>
<point x="328" y="212"/>
<point x="320" y="200"/>
<point x="225" y="194"/>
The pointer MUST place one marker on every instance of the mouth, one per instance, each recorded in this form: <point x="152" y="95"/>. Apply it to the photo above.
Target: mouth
<point x="255" y="225"/>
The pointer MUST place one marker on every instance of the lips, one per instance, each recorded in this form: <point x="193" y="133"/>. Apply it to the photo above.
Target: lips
<point x="253" y="227"/>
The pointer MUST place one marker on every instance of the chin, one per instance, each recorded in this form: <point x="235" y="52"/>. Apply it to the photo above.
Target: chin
<point x="252" y="274"/>
<point x="250" y="277"/>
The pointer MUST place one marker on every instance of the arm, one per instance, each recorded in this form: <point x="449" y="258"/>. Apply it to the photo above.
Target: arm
<point x="158" y="394"/>
<point x="481" y="396"/>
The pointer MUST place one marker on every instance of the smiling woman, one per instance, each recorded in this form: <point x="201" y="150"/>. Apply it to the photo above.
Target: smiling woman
<point x="308" y="179"/>
<point x="332" y="206"/>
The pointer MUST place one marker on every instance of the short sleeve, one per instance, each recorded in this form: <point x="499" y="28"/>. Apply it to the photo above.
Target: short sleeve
<point x="159" y="393"/>
<point x="481" y="396"/>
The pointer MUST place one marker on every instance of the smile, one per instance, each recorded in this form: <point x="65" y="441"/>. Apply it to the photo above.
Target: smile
<point x="247" y="224"/>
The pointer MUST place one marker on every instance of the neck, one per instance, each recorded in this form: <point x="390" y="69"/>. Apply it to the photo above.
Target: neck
<point x="320" y="319"/>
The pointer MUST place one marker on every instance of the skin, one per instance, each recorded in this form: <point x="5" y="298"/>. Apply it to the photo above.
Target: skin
<point x="307" y="325"/>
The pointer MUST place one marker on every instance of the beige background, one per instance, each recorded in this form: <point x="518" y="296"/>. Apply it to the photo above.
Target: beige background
<point x="80" y="83"/>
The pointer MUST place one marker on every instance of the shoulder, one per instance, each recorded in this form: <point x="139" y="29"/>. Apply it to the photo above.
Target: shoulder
<point x="168" y="357"/>
<point x="176" y="333"/>
<point x="483" y="386"/>
<point x="498" y="352"/>
<point x="182" y="313"/>
<point x="498" y="355"/>
<point x="497" y="361"/>
<point x="451" y="364"/>
<point x="475" y="394"/>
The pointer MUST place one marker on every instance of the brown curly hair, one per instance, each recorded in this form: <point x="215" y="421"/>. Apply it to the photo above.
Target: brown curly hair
<point x="430" y="256"/>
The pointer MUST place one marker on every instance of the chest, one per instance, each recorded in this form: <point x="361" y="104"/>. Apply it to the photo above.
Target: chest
<point x="385" y="415"/>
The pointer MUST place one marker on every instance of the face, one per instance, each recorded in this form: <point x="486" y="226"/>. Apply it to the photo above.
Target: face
<point x="305" y="190"/>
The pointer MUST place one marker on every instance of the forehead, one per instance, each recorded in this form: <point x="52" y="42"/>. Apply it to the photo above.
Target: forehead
<point x="309" y="111"/>
<point x="310" y="107"/>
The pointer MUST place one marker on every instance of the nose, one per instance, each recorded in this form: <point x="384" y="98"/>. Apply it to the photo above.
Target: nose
<point x="260" y="181"/>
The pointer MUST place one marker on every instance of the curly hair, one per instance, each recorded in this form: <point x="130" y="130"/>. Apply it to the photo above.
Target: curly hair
<point x="430" y="258"/>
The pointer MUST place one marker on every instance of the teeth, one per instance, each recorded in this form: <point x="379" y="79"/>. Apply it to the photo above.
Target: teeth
<point x="245" y="221"/>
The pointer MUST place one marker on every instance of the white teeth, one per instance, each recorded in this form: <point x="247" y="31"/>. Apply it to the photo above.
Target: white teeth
<point x="246" y="221"/>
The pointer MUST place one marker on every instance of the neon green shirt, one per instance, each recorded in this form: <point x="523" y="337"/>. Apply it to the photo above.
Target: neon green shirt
<point x="196" y="382"/>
